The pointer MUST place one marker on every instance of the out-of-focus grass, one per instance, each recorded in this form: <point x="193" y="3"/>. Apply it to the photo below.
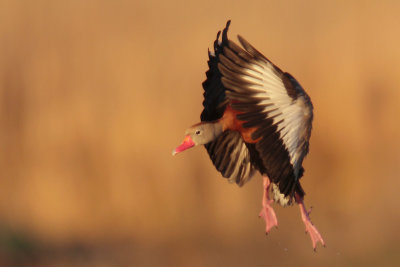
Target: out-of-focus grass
<point x="95" y="94"/>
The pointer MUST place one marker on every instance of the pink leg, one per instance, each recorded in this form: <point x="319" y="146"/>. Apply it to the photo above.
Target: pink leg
<point x="310" y="228"/>
<point x="267" y="212"/>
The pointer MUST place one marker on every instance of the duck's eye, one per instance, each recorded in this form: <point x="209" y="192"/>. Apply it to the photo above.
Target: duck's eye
<point x="197" y="132"/>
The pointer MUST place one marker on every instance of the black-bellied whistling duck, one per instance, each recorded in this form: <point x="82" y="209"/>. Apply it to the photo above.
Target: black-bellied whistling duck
<point x="255" y="117"/>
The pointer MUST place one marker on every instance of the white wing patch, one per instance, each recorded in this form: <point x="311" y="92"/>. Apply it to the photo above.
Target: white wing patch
<point x="289" y="115"/>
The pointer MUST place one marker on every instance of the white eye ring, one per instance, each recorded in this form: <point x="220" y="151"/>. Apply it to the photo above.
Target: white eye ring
<point x="197" y="132"/>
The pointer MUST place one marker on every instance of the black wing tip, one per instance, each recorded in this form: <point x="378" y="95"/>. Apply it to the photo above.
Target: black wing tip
<point x="251" y="49"/>
<point x="225" y="32"/>
<point x="256" y="54"/>
<point x="246" y="45"/>
<point x="214" y="91"/>
<point x="241" y="39"/>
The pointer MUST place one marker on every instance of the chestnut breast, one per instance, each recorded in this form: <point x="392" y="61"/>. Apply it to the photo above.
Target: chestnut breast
<point x="230" y="122"/>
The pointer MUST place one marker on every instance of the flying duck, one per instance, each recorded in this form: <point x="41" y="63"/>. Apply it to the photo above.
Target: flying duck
<point x="256" y="118"/>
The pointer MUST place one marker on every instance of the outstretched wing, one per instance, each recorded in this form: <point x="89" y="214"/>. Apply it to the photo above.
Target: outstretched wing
<point x="228" y="152"/>
<point x="275" y="104"/>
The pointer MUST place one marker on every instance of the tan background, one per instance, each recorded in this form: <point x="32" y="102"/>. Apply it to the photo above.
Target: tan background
<point x="94" y="95"/>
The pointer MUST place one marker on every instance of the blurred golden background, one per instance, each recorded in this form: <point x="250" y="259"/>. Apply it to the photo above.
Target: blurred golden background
<point x="94" y="95"/>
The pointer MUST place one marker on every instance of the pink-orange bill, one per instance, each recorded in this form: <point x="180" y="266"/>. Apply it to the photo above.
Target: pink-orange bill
<point x="187" y="143"/>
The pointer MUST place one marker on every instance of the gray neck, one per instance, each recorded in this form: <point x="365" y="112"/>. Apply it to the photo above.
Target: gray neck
<point x="217" y="129"/>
